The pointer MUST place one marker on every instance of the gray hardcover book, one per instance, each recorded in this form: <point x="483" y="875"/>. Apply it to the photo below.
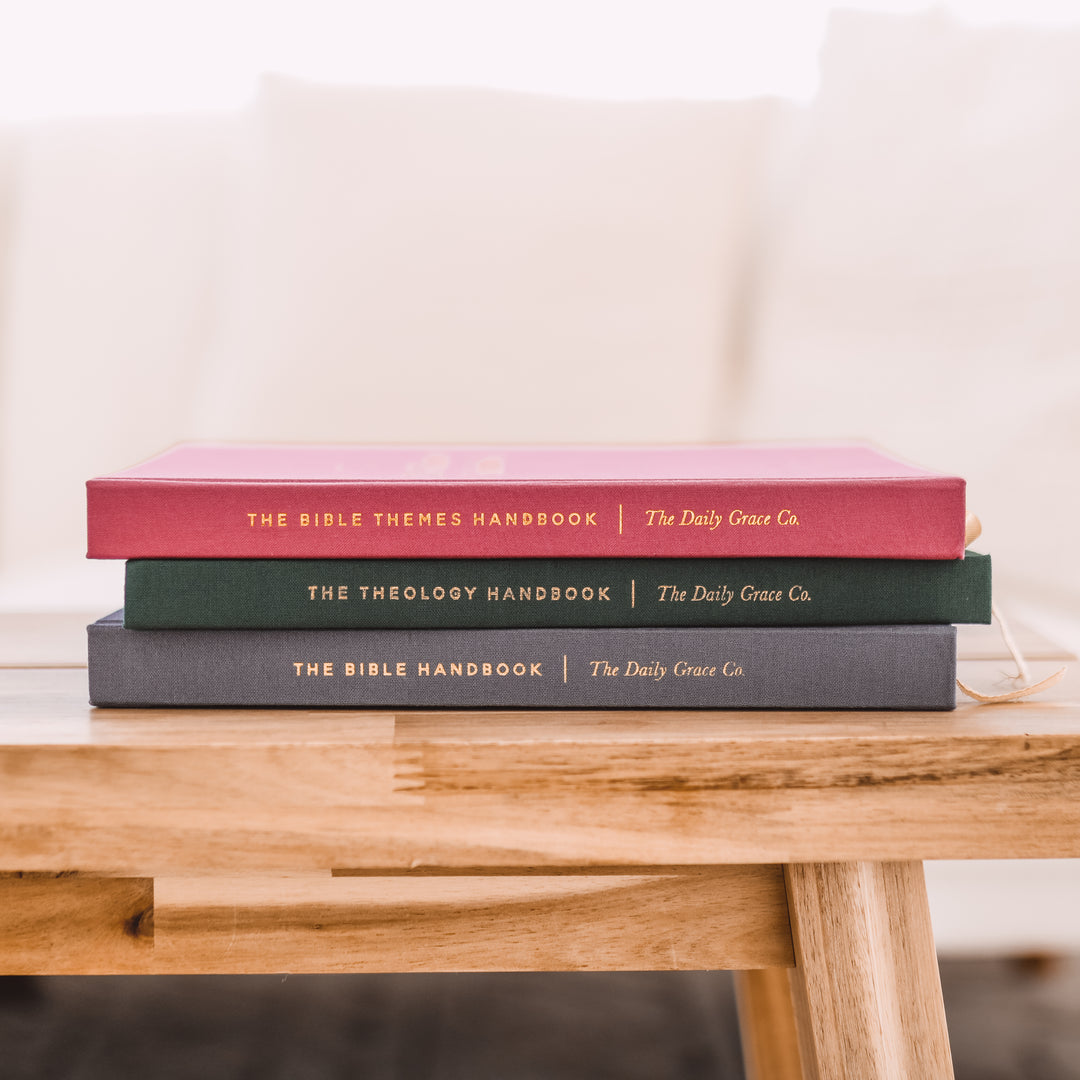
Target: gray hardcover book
<point x="858" y="667"/>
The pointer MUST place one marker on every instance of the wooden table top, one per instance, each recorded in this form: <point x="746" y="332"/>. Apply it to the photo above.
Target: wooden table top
<point x="143" y="791"/>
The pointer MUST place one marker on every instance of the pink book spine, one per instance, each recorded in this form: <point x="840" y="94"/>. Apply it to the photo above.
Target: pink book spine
<point x="901" y="518"/>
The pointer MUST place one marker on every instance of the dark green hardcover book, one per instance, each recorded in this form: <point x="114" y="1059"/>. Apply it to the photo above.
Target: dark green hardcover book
<point x="209" y="594"/>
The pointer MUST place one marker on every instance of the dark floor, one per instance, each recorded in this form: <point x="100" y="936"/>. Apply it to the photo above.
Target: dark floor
<point x="1007" y="1020"/>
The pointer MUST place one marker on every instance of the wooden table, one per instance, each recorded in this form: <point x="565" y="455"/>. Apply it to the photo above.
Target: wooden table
<point x="784" y="846"/>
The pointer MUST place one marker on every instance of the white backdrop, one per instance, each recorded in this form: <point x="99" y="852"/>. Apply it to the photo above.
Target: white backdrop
<point x="893" y="255"/>
<point x="894" y="259"/>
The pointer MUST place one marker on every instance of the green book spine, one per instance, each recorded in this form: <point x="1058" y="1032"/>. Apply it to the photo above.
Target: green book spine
<point x="520" y="593"/>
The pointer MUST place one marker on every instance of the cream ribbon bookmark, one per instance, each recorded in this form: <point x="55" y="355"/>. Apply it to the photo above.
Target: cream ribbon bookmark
<point x="1022" y="676"/>
<point x="1023" y="673"/>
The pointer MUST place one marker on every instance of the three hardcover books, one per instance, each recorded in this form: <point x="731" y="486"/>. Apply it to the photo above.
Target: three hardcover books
<point x="752" y="576"/>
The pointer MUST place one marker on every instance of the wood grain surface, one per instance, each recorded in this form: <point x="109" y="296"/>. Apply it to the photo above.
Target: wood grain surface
<point x="647" y="921"/>
<point x="145" y="792"/>
<point x="293" y="840"/>
<point x="866" y="978"/>
<point x="70" y="924"/>
<point x="651" y="920"/>
<point x="767" y="1031"/>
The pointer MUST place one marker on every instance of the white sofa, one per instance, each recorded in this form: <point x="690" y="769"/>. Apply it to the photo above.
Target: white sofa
<point x="898" y="260"/>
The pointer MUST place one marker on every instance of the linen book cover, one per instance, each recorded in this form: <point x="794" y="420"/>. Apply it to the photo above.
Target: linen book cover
<point x="447" y="593"/>
<point x="861" y="667"/>
<point x="208" y="500"/>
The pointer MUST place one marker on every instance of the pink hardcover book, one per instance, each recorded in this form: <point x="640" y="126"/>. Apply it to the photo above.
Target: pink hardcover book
<point x="202" y="500"/>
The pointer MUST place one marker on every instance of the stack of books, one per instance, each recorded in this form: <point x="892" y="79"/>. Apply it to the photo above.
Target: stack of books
<point x="758" y="576"/>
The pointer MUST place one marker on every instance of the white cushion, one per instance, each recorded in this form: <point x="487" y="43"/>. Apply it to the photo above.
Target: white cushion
<point x="457" y="264"/>
<point x="920" y="287"/>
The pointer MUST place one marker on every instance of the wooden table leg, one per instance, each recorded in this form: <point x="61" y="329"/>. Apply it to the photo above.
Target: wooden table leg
<point x="866" y="987"/>
<point x="770" y="1042"/>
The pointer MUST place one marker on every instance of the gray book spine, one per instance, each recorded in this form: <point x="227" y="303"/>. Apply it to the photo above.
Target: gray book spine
<point x="861" y="667"/>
